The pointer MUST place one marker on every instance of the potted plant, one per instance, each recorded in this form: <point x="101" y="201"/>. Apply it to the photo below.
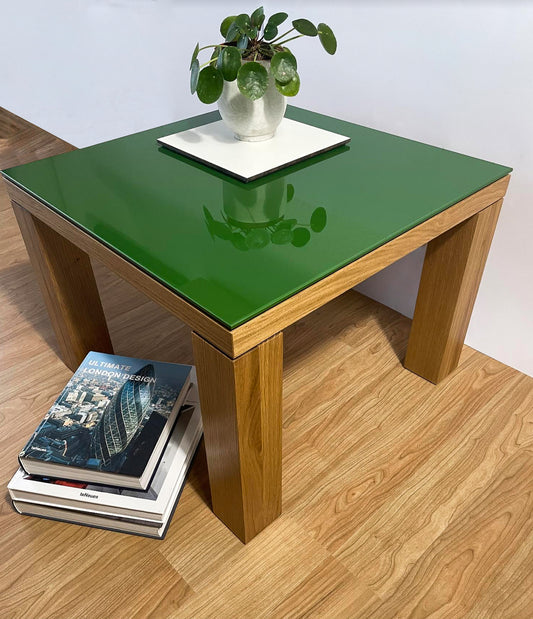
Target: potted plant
<point x="252" y="71"/>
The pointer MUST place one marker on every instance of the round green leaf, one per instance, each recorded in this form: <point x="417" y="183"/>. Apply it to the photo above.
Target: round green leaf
<point x="195" y="69"/>
<point x="221" y="230"/>
<point x="239" y="241"/>
<point x="300" y="236"/>
<point x="251" y="32"/>
<point x="226" y="23"/>
<point x="270" y="32"/>
<point x="283" y="66"/>
<point x="207" y="214"/>
<point x="304" y="26"/>
<point x="194" y="54"/>
<point x="252" y="80"/>
<point x="319" y="219"/>
<point x="290" y="192"/>
<point x="243" y="21"/>
<point x="258" y="17"/>
<point x="242" y="43"/>
<point x="327" y="38"/>
<point x="230" y="63"/>
<point x="256" y="238"/>
<point x="210" y="84"/>
<point x="290" y="89"/>
<point x="209" y="221"/>
<point x="277" y="19"/>
<point x="233" y="32"/>
<point x="283" y="236"/>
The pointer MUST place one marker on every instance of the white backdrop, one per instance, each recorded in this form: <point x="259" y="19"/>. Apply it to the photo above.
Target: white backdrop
<point x="454" y="74"/>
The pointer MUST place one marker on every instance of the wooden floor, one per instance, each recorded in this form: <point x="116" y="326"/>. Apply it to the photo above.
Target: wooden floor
<point x="400" y="499"/>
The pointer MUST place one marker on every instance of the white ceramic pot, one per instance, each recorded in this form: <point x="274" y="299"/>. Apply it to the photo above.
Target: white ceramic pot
<point x="252" y="121"/>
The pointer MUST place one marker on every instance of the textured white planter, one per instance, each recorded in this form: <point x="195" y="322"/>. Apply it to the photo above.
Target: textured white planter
<point x="252" y="121"/>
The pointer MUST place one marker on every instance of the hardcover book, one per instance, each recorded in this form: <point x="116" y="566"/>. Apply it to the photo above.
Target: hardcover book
<point x="110" y="423"/>
<point x="145" y="512"/>
<point x="148" y="505"/>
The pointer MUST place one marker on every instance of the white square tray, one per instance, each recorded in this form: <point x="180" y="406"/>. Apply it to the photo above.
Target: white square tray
<point x="215" y="145"/>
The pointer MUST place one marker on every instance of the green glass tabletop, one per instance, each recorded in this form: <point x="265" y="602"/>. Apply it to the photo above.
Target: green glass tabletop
<point x="236" y="249"/>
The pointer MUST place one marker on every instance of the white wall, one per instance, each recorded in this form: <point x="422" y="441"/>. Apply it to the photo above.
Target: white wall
<point x="454" y="74"/>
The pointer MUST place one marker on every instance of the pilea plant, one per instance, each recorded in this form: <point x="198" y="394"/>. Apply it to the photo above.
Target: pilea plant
<point x="249" y="38"/>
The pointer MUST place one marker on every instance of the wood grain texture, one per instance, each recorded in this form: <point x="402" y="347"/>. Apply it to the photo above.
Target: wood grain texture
<point x="67" y="283"/>
<point x="400" y="498"/>
<point x="453" y="267"/>
<point x="22" y="142"/>
<point x="216" y="333"/>
<point x="303" y="303"/>
<point x="241" y="410"/>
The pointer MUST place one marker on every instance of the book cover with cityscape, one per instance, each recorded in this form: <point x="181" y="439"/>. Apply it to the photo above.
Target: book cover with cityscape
<point x="160" y="476"/>
<point x="110" y="415"/>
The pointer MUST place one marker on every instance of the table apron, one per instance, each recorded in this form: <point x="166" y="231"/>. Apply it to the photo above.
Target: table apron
<point x="236" y="342"/>
<point x="311" y="298"/>
<point x="217" y="334"/>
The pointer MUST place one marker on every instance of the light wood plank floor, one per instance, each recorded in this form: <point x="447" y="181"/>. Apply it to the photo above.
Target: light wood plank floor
<point x="400" y="499"/>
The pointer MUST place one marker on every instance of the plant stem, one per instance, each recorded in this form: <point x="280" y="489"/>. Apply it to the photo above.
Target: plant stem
<point x="212" y="60"/>
<point x="208" y="46"/>
<point x="281" y="36"/>
<point x="291" y="39"/>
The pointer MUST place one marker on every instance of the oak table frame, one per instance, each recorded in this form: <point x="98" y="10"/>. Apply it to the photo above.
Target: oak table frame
<point x="138" y="210"/>
<point x="240" y="370"/>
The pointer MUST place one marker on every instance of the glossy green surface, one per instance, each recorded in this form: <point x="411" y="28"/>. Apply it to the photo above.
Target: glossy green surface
<point x="237" y="249"/>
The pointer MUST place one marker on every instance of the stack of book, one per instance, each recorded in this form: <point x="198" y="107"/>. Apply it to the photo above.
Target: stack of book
<point x="114" y="449"/>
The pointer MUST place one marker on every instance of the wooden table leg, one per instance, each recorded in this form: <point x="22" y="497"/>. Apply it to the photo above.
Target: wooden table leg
<point x="241" y="412"/>
<point x="452" y="272"/>
<point x="67" y="283"/>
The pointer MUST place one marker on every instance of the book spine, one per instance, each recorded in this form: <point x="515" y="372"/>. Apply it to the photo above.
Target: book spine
<point x="21" y="463"/>
<point x="16" y="507"/>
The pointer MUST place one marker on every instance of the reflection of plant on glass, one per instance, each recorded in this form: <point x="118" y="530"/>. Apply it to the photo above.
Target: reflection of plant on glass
<point x="254" y="218"/>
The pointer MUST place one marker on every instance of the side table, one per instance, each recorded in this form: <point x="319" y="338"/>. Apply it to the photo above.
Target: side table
<point x="240" y="262"/>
